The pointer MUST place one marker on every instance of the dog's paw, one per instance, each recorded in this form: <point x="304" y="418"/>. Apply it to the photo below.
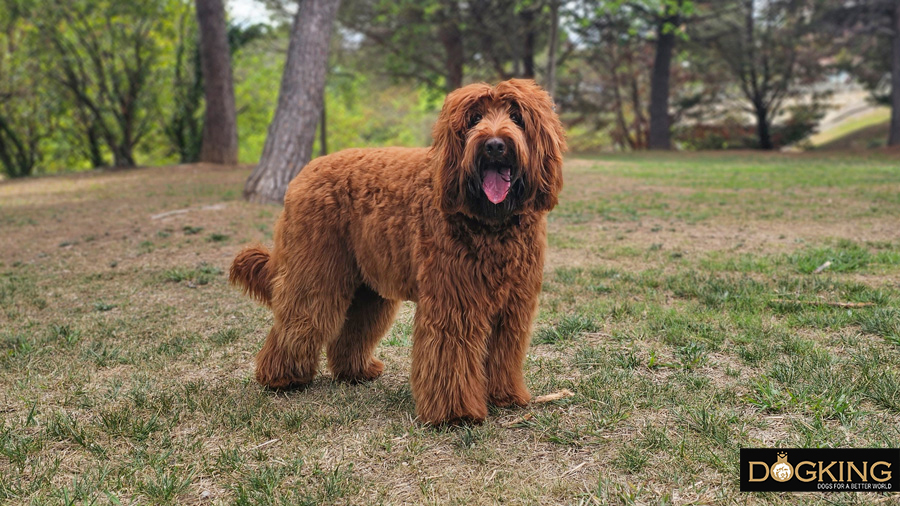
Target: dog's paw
<point x="439" y="415"/>
<point x="504" y="399"/>
<point x="283" y="384"/>
<point x="372" y="371"/>
<point x="290" y="382"/>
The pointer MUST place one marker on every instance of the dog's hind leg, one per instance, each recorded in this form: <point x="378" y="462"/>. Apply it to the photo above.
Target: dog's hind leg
<point x="310" y="298"/>
<point x="350" y="354"/>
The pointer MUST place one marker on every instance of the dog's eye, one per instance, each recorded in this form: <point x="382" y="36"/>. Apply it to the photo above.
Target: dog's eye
<point x="517" y="119"/>
<point x="474" y="119"/>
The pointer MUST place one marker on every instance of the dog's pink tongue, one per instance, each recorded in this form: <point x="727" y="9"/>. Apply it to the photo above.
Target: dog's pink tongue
<point x="496" y="184"/>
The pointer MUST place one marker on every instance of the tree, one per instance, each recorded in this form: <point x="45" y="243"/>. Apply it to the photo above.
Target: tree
<point x="183" y="123"/>
<point x="412" y="39"/>
<point x="441" y="43"/>
<point x="894" y="137"/>
<point x="868" y="35"/>
<point x="659" y="22"/>
<point x="102" y="55"/>
<point x="666" y="20"/>
<point x="24" y="116"/>
<point x="505" y="36"/>
<point x="292" y="131"/>
<point x="550" y="81"/>
<point x="220" y="139"/>
<point x="183" y="126"/>
<point x="765" y="45"/>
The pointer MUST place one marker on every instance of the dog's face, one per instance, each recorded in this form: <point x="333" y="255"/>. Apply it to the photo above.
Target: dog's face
<point x="498" y="151"/>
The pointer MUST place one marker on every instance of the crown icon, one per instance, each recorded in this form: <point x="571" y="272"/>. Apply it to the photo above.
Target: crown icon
<point x="782" y="456"/>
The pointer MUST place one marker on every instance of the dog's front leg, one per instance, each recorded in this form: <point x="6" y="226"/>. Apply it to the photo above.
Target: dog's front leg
<point x="507" y="348"/>
<point x="449" y="344"/>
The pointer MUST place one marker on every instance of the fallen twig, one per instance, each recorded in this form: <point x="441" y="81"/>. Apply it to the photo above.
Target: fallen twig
<point x="562" y="394"/>
<point x="824" y="303"/>
<point x="211" y="207"/>
<point x="822" y="267"/>
<point x="267" y="443"/>
<point x="517" y="421"/>
<point x="576" y="468"/>
<point x="168" y="213"/>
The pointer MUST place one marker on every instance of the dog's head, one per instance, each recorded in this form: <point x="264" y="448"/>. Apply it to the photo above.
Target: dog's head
<point x="498" y="151"/>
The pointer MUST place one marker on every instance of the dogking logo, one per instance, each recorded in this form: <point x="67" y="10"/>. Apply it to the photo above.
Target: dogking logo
<point x="820" y="469"/>
<point x="782" y="471"/>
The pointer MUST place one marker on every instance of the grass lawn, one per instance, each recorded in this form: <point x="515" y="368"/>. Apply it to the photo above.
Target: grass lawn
<point x="863" y="126"/>
<point x="680" y="305"/>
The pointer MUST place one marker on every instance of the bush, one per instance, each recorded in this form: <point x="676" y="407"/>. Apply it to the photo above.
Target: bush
<point x="732" y="133"/>
<point x="801" y="123"/>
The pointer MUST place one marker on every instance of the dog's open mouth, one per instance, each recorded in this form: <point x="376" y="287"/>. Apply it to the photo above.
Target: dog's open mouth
<point x="495" y="181"/>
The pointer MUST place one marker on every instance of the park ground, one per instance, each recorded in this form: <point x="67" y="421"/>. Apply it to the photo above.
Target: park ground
<point x="680" y="306"/>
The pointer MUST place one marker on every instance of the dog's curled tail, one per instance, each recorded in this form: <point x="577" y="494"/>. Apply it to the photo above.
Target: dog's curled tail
<point x="250" y="270"/>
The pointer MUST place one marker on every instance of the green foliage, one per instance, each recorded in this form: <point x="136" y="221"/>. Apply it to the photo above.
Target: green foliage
<point x="91" y="83"/>
<point x="184" y="125"/>
<point x="23" y="114"/>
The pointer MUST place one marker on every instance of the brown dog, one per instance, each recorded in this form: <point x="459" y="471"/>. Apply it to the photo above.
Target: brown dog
<point x="459" y="228"/>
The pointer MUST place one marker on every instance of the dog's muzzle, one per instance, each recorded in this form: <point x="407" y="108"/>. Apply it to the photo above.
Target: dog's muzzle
<point x="496" y="169"/>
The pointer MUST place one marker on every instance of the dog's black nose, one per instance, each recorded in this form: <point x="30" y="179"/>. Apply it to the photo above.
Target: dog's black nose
<point x="494" y="147"/>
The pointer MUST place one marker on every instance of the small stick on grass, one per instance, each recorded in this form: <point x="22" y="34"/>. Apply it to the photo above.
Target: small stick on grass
<point x="515" y="422"/>
<point x="555" y="396"/>
<point x="267" y="443"/>
<point x="822" y="267"/>
<point x="576" y="468"/>
<point x="824" y="303"/>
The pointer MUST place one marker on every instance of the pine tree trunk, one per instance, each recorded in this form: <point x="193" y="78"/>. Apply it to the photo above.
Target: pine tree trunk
<point x="660" y="137"/>
<point x="527" y="17"/>
<point x="290" y="139"/>
<point x="550" y="85"/>
<point x="453" y="50"/>
<point x="894" y="137"/>
<point x="220" y="140"/>
<point x="323" y="129"/>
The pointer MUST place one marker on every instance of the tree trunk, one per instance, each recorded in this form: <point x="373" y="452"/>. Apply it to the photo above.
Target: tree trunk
<point x="123" y="156"/>
<point x="762" y="127"/>
<point x="290" y="139"/>
<point x="640" y="121"/>
<point x="451" y="38"/>
<point x="660" y="137"/>
<point x="528" y="43"/>
<point x="94" y="151"/>
<point x="14" y="156"/>
<point x="550" y="85"/>
<point x="894" y="137"/>
<point x="220" y="141"/>
<point x="323" y="129"/>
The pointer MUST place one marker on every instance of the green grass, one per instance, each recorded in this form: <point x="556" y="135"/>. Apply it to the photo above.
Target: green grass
<point x="200" y="275"/>
<point x="835" y="138"/>
<point x="679" y="305"/>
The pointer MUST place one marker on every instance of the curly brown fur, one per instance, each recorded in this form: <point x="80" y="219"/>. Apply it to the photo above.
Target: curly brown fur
<point x="250" y="270"/>
<point x="459" y="228"/>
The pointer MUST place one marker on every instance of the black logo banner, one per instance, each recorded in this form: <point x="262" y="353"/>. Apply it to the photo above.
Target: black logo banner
<point x="820" y="469"/>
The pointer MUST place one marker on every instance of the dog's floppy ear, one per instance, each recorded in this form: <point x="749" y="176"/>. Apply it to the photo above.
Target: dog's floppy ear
<point x="546" y="139"/>
<point x="449" y="134"/>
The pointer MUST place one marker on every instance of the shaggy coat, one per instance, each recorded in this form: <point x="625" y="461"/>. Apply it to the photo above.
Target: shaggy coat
<point x="459" y="228"/>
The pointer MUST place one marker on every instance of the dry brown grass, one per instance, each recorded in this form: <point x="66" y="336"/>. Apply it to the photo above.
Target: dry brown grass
<point x="126" y="359"/>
